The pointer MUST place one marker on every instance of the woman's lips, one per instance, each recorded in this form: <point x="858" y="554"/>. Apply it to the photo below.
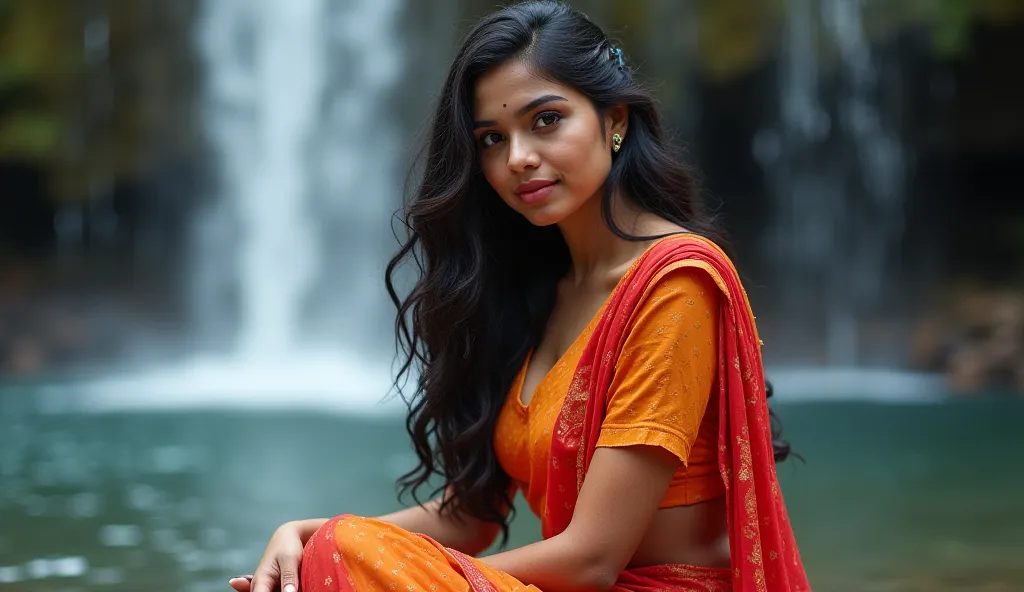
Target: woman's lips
<point x="535" y="191"/>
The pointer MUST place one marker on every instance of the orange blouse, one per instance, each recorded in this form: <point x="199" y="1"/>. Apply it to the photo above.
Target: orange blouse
<point x="659" y="396"/>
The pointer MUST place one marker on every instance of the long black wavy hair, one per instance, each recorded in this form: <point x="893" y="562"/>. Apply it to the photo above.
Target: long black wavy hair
<point x="487" y="277"/>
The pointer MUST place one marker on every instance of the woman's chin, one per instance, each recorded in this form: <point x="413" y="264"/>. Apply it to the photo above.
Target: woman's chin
<point x="542" y="221"/>
<point x="544" y="216"/>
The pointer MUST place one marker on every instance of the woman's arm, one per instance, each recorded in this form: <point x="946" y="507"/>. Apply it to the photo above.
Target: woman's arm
<point x="279" y="567"/>
<point x="468" y="535"/>
<point x="619" y="498"/>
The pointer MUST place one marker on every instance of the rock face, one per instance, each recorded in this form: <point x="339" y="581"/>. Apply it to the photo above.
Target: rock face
<point x="976" y="339"/>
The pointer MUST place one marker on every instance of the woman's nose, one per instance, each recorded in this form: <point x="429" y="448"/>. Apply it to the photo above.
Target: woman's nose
<point x="521" y="155"/>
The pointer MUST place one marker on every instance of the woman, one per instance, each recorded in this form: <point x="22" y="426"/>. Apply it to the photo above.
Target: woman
<point x="578" y="337"/>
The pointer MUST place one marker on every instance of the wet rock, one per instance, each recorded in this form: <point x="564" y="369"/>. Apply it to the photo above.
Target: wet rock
<point x="976" y="339"/>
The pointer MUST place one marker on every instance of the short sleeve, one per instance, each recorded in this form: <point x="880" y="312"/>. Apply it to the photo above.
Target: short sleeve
<point x="666" y="370"/>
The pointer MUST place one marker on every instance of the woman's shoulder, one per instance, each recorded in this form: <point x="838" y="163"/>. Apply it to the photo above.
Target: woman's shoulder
<point x="686" y="286"/>
<point x="685" y="260"/>
<point x="689" y="257"/>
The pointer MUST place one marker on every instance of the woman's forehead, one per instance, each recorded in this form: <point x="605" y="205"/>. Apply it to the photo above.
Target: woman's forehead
<point x="510" y="86"/>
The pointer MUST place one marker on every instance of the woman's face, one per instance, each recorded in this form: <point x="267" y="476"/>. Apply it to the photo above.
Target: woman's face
<point x="542" y="147"/>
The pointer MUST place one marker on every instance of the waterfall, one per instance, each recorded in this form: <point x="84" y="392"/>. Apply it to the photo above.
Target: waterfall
<point x="266" y="77"/>
<point x="836" y="171"/>
<point x="299" y="99"/>
<point x="290" y="254"/>
<point x="296" y="97"/>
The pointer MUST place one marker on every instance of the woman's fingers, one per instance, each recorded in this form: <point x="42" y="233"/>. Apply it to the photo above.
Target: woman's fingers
<point x="264" y="581"/>
<point x="289" y="574"/>
<point x="278" y="570"/>
<point x="241" y="583"/>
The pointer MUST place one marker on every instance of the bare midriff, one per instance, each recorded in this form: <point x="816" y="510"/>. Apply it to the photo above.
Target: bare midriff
<point x="661" y="395"/>
<point x="696" y="534"/>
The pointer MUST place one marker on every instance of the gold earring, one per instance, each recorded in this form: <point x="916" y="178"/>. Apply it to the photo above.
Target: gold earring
<point x="616" y="142"/>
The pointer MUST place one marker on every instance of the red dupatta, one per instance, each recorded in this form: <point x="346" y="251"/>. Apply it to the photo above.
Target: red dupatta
<point x="763" y="550"/>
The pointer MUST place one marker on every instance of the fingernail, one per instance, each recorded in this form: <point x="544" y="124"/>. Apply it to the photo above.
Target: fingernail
<point x="289" y="588"/>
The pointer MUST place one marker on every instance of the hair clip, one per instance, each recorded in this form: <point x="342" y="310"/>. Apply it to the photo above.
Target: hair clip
<point x="616" y="53"/>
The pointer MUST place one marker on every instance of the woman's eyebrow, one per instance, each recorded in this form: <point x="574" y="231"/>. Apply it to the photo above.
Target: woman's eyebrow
<point x="522" y="110"/>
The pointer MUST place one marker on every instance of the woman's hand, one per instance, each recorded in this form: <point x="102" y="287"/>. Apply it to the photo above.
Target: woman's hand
<point x="279" y="567"/>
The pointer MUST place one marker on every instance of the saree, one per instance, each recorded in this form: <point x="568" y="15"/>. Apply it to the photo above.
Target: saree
<point x="352" y="553"/>
<point x="762" y="545"/>
<point x="355" y="553"/>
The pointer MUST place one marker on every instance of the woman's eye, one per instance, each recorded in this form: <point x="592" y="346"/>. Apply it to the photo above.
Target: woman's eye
<point x="490" y="139"/>
<point x="547" y="119"/>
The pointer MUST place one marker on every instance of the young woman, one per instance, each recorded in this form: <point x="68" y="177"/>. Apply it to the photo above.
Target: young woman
<point x="578" y="336"/>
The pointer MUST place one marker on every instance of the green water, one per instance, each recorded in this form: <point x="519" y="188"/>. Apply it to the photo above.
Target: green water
<point x="890" y="498"/>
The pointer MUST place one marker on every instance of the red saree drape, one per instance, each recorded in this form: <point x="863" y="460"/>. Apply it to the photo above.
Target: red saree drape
<point x="352" y="553"/>
<point x="763" y="549"/>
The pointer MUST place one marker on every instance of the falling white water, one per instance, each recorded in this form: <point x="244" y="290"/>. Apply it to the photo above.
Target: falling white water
<point x="836" y="168"/>
<point x="295" y="98"/>
<point x="265" y="99"/>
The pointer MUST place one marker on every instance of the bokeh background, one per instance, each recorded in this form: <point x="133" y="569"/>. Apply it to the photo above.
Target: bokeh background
<point x="197" y="198"/>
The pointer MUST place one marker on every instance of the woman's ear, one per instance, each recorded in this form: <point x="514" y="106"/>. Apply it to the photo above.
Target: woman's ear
<point x="616" y="121"/>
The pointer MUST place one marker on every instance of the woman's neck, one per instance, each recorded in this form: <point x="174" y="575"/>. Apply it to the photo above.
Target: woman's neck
<point x="595" y="250"/>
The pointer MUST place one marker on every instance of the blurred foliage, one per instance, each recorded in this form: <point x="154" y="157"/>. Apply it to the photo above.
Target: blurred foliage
<point x="94" y="90"/>
<point x="952" y="20"/>
<point x="737" y="35"/>
<point x="64" y="105"/>
<point x="37" y="66"/>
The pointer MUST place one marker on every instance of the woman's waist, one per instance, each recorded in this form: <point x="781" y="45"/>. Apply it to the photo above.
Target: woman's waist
<point x="695" y="535"/>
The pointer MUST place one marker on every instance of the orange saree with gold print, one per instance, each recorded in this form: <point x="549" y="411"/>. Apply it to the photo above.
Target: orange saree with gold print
<point x="353" y="553"/>
<point x="763" y="549"/>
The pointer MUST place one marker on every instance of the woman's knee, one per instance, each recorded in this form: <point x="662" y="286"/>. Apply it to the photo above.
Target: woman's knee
<point x="324" y="539"/>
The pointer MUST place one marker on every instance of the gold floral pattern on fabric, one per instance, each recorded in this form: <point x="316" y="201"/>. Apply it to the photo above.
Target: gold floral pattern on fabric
<point x="476" y="579"/>
<point x="757" y="495"/>
<point x="405" y="561"/>
<point x="675" y="578"/>
<point x="758" y="521"/>
<point x="746" y="472"/>
<point x="660" y="395"/>
<point x="573" y="407"/>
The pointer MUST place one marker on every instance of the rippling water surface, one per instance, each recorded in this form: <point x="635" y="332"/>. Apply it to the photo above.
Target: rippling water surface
<point x="918" y="497"/>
